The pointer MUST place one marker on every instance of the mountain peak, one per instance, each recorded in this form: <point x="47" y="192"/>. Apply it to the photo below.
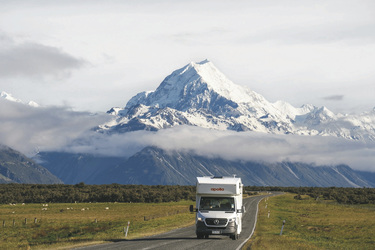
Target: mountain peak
<point x="206" y="73"/>
<point x="197" y="93"/>
<point x="196" y="85"/>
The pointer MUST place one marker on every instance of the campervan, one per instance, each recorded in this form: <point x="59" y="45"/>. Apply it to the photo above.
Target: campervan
<point x="219" y="207"/>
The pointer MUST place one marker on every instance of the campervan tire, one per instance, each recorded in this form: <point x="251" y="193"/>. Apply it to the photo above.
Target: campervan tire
<point x="235" y="236"/>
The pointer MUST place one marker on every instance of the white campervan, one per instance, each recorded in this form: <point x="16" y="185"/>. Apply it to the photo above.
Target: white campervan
<point x="218" y="206"/>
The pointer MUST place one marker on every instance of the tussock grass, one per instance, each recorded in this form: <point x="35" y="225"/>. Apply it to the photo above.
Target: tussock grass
<point x="66" y="223"/>
<point x="312" y="224"/>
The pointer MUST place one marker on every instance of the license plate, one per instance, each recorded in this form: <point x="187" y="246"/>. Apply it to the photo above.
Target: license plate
<point x="215" y="232"/>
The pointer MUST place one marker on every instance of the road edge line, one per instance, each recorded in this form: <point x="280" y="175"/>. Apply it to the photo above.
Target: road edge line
<point x="255" y="223"/>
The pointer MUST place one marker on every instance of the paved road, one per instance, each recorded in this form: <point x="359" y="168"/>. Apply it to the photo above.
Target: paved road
<point x="185" y="238"/>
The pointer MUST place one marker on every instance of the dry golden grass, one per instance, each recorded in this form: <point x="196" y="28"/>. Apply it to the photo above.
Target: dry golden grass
<point x="312" y="224"/>
<point x="65" y="224"/>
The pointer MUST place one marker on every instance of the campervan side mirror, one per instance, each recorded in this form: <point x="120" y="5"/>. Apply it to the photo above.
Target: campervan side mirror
<point x="191" y="208"/>
<point x="242" y="210"/>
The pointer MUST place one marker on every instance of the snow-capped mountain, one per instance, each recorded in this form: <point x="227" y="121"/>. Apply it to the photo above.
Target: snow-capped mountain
<point x="9" y="97"/>
<point x="200" y="95"/>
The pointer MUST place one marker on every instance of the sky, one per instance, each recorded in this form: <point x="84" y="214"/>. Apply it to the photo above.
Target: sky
<point x="80" y="58"/>
<point x="94" y="55"/>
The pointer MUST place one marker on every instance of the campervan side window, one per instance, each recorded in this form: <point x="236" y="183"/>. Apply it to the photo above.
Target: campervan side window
<point x="217" y="204"/>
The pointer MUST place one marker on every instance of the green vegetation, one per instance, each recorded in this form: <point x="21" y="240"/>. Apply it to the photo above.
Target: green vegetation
<point x="340" y="195"/>
<point x="41" y="226"/>
<point x="59" y="193"/>
<point x="313" y="224"/>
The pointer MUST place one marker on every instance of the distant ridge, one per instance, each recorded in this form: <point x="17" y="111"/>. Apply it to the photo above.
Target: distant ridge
<point x="154" y="166"/>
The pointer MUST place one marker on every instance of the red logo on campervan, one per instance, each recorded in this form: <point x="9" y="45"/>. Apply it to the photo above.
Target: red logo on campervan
<point x="217" y="189"/>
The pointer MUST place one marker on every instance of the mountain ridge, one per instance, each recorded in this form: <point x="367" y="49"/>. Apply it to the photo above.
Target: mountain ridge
<point x="198" y="94"/>
<point x="155" y="166"/>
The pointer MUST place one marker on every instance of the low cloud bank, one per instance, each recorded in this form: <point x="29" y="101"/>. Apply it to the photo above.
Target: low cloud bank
<point x="29" y="129"/>
<point x="232" y="145"/>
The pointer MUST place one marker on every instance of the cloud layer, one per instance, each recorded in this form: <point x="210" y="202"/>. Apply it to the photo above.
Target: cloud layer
<point x="29" y="129"/>
<point x="232" y="145"/>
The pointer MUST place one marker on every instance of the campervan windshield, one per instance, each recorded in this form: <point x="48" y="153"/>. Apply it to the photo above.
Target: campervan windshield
<point x="217" y="204"/>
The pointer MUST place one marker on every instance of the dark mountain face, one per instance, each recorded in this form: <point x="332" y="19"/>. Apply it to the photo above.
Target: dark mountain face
<point x="17" y="168"/>
<point x="154" y="166"/>
<point x="76" y="168"/>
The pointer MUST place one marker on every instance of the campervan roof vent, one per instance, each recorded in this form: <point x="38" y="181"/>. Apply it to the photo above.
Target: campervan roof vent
<point x="217" y="177"/>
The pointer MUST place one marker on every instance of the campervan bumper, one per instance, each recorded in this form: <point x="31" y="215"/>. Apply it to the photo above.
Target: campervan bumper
<point x="203" y="229"/>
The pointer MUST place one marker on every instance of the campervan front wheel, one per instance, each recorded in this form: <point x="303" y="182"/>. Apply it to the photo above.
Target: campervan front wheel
<point x="235" y="236"/>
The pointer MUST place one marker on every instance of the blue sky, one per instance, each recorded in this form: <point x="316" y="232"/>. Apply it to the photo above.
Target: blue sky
<point x="93" y="55"/>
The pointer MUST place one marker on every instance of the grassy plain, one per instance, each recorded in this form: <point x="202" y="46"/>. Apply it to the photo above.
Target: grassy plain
<point x="64" y="224"/>
<point x="311" y="224"/>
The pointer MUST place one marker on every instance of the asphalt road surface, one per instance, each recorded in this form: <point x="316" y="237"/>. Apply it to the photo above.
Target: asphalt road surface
<point x="185" y="238"/>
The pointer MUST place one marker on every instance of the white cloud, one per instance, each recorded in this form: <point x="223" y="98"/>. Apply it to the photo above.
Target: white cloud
<point x="30" y="129"/>
<point x="230" y="145"/>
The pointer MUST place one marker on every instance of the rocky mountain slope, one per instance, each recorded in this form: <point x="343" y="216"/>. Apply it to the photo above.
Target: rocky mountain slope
<point x="75" y="168"/>
<point x="17" y="168"/>
<point x="154" y="166"/>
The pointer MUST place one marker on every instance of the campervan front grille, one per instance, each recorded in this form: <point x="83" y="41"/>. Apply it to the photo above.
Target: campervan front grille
<point x="216" y="222"/>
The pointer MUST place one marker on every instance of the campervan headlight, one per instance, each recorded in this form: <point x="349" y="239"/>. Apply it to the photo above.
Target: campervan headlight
<point x="232" y="219"/>
<point x="200" y="217"/>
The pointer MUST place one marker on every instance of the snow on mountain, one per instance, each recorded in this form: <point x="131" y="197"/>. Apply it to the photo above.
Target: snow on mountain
<point x="198" y="86"/>
<point x="287" y="108"/>
<point x="9" y="97"/>
<point x="200" y="95"/>
<point x="33" y="104"/>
